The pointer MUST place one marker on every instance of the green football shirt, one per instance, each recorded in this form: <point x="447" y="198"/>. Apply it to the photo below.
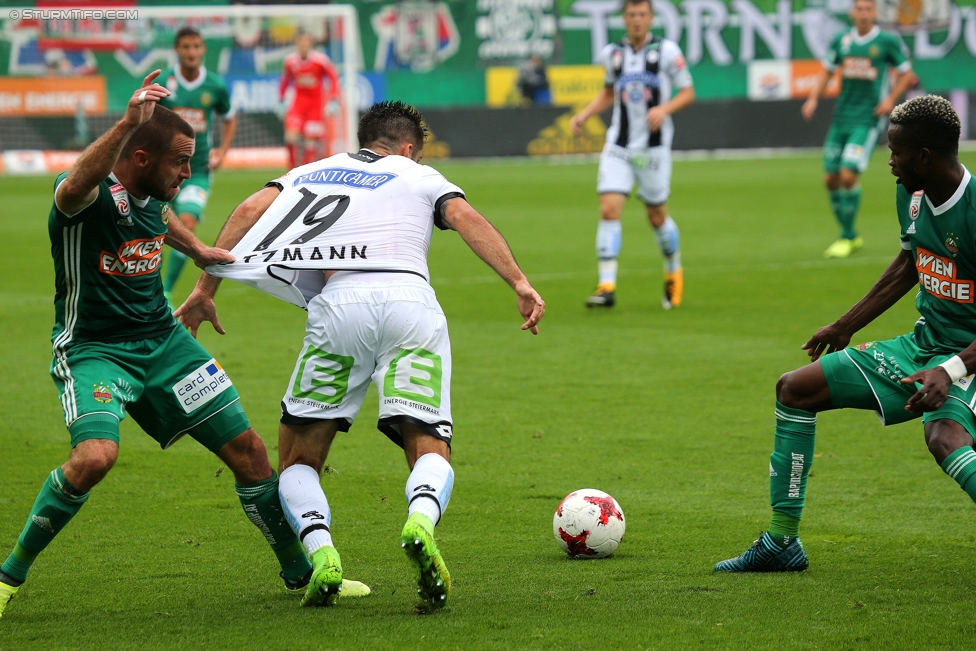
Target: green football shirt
<point x="864" y="62"/>
<point x="942" y="240"/>
<point x="106" y="269"/>
<point x="196" y="101"/>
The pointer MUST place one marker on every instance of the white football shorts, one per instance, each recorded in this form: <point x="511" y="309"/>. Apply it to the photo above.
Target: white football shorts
<point x="391" y="332"/>
<point x="650" y="169"/>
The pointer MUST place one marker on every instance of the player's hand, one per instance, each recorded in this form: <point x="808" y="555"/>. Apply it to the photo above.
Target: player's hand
<point x="143" y="101"/>
<point x="934" y="392"/>
<point x="530" y="306"/>
<point x="576" y="123"/>
<point x="332" y="108"/>
<point x="827" y="340"/>
<point x="280" y="109"/>
<point x="197" y="308"/>
<point x="808" y="109"/>
<point x="216" y="158"/>
<point x="209" y="255"/>
<point x="655" y="117"/>
<point x="884" y="107"/>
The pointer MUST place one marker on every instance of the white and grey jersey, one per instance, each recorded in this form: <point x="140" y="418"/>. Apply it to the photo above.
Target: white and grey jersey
<point x="641" y="79"/>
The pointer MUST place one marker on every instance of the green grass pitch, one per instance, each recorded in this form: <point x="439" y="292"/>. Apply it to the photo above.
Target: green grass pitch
<point x="670" y="412"/>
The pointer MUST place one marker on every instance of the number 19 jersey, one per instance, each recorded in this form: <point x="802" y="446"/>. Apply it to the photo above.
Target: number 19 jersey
<point x="349" y="212"/>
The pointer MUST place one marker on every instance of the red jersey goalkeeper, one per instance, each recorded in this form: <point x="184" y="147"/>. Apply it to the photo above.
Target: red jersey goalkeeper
<point x="307" y="70"/>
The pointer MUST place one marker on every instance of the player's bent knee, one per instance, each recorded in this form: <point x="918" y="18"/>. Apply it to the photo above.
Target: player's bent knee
<point x="90" y="461"/>
<point x="832" y="181"/>
<point x="247" y="457"/>
<point x="944" y="436"/>
<point x="848" y="178"/>
<point x="791" y="393"/>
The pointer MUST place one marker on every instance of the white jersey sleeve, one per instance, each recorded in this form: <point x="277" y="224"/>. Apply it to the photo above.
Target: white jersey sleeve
<point x="349" y="212"/>
<point x="606" y="59"/>
<point x="673" y="64"/>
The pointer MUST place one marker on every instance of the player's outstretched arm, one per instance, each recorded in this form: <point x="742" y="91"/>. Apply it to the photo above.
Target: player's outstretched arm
<point x="810" y="106"/>
<point x="936" y="381"/>
<point x="903" y="82"/>
<point x="600" y="103"/>
<point x="199" y="305"/>
<point x="896" y="281"/>
<point x="489" y="245"/>
<point x="681" y="100"/>
<point x="80" y="187"/>
<point x="183" y="240"/>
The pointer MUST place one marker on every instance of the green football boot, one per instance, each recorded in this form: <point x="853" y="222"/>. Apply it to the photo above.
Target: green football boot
<point x="349" y="588"/>
<point x="417" y="541"/>
<point x="326" y="582"/>
<point x="7" y="593"/>
<point x="767" y="556"/>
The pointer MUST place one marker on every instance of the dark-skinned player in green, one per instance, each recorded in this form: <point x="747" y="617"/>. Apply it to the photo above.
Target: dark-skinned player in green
<point x="117" y="350"/>
<point x="864" y="54"/>
<point x="920" y="374"/>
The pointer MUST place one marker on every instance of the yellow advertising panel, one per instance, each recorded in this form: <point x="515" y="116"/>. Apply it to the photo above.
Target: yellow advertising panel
<point x="569" y="85"/>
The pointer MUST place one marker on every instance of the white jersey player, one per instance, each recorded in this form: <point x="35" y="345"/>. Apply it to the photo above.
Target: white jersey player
<point x="642" y="71"/>
<point x="347" y="238"/>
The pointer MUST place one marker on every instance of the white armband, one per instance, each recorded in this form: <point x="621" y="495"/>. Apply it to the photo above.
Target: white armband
<point x="955" y="367"/>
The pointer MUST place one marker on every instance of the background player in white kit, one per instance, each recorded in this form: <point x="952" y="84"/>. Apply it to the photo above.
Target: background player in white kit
<point x="641" y="71"/>
<point x="367" y="218"/>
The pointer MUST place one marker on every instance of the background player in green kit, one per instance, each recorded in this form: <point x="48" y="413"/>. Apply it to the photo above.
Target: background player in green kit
<point x="864" y="54"/>
<point x="117" y="347"/>
<point x="936" y="204"/>
<point x="196" y="94"/>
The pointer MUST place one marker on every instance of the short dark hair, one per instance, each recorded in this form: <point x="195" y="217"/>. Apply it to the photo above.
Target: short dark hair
<point x="156" y="134"/>
<point x="929" y="121"/>
<point x="627" y="3"/>
<point x="390" y="124"/>
<point x="185" y="32"/>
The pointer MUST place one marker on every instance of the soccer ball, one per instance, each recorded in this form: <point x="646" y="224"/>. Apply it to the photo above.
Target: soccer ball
<point x="588" y="524"/>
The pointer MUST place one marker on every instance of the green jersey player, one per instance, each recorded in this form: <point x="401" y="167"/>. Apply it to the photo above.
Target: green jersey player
<point x="196" y="94"/>
<point x="864" y="55"/>
<point x="118" y="350"/>
<point x="936" y="203"/>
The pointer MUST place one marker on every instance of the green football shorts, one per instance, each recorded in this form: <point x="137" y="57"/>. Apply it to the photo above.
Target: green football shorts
<point x="868" y="376"/>
<point x="849" y="147"/>
<point x="193" y="195"/>
<point x="170" y="385"/>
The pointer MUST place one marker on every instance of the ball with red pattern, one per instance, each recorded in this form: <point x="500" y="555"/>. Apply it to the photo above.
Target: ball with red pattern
<point x="588" y="524"/>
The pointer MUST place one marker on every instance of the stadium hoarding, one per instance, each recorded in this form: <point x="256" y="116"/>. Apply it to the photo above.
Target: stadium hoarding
<point x="40" y="96"/>
<point x="443" y="53"/>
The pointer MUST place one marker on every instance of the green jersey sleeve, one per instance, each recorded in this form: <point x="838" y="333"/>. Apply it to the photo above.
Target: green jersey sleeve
<point x="222" y="104"/>
<point x="93" y="208"/>
<point x="833" y="58"/>
<point x="897" y="53"/>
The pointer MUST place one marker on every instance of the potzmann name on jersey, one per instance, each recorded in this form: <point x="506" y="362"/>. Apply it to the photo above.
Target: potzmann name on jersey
<point x="134" y="258"/>
<point x="938" y="276"/>
<point x="310" y="253"/>
<point x="342" y="176"/>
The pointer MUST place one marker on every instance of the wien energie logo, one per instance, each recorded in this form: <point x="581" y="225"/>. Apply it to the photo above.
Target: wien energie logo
<point x="134" y="258"/>
<point x="938" y="276"/>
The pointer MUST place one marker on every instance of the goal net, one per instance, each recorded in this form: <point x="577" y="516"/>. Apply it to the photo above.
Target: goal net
<point x="70" y="71"/>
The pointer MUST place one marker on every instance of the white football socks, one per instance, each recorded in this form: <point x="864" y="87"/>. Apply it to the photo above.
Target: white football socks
<point x="608" y="237"/>
<point x="306" y="508"/>
<point x="669" y="241"/>
<point x="429" y="486"/>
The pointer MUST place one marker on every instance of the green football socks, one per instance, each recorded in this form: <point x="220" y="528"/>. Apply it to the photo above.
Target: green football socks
<point x="174" y="267"/>
<point x="262" y="506"/>
<point x="850" y="203"/>
<point x="789" y="467"/>
<point x="54" y="507"/>
<point x="961" y="466"/>
<point x="837" y="204"/>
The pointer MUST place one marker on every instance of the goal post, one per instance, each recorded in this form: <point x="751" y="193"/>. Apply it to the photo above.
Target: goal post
<point x="247" y="44"/>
